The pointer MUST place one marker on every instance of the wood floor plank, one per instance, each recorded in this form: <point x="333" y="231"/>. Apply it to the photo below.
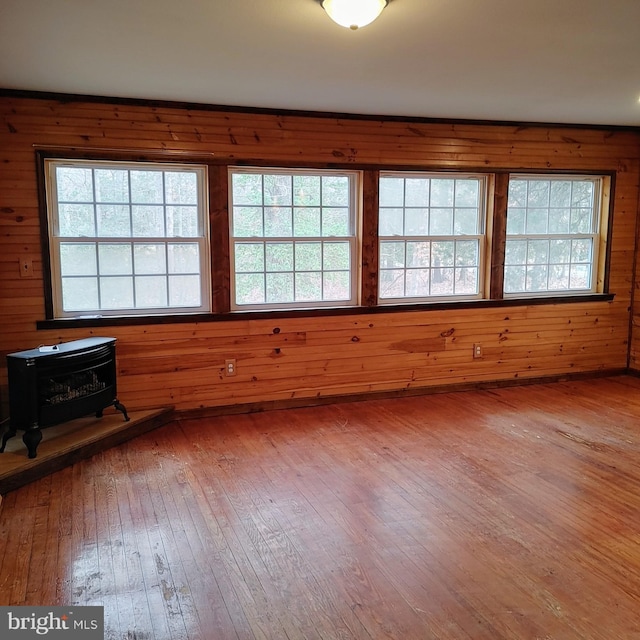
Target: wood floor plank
<point x="504" y="514"/>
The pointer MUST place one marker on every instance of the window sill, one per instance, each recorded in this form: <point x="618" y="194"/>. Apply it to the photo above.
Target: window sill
<point x="119" y="321"/>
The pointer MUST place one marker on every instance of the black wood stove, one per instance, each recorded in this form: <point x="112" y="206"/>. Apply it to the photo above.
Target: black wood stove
<point x="50" y="385"/>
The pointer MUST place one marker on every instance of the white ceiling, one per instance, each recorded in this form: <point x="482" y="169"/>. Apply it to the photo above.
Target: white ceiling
<point x="557" y="61"/>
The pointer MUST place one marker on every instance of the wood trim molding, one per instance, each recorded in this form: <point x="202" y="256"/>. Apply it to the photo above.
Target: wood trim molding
<point x="256" y="407"/>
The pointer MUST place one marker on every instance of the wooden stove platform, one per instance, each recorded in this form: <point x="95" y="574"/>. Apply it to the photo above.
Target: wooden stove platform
<point x="65" y="444"/>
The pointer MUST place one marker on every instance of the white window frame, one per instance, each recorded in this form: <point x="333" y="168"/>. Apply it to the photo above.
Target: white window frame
<point x="56" y="240"/>
<point x="596" y="236"/>
<point x="480" y="237"/>
<point x="353" y="240"/>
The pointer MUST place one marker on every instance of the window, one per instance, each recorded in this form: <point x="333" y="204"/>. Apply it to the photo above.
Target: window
<point x="552" y="234"/>
<point x="127" y="238"/>
<point x="293" y="238"/>
<point x="431" y="234"/>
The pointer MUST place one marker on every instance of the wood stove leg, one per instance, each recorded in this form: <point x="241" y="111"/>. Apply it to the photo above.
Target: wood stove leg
<point x="31" y="439"/>
<point x="9" y="433"/>
<point x="121" y="407"/>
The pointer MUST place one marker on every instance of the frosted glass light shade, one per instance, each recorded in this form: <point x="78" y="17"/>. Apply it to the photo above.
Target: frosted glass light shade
<point x="354" y="14"/>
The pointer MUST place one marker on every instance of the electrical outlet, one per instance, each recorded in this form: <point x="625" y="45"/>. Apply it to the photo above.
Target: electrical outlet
<point x="477" y="350"/>
<point x="230" y="367"/>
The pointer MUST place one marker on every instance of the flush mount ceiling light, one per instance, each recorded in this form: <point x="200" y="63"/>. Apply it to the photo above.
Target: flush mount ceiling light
<point x="353" y="14"/>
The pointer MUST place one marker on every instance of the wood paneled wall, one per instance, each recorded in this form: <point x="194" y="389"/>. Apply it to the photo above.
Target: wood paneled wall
<point x="182" y="363"/>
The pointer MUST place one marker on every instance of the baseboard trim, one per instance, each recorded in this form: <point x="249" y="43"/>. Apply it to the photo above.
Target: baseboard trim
<point x="293" y="403"/>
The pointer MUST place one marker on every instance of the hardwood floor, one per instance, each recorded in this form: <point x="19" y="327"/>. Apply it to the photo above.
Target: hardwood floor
<point x="496" y="514"/>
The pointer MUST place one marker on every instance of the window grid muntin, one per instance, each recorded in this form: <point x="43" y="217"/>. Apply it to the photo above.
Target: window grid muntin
<point x="592" y="237"/>
<point x="57" y="240"/>
<point x="293" y="240"/>
<point x="477" y="237"/>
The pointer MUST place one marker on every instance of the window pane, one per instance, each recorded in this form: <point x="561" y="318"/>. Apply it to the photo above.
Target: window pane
<point x="418" y="254"/>
<point x="336" y="285"/>
<point x="306" y="191"/>
<point x="417" y="192"/>
<point x="335" y="191"/>
<point x="465" y="222"/>
<point x="116" y="293"/>
<point x="278" y="222"/>
<point x="147" y="187"/>
<point x="515" y="252"/>
<point x="559" y="220"/>
<point x="417" y="222"/>
<point x="249" y="257"/>
<point x="306" y="222"/>
<point x="80" y="294"/>
<point x="442" y="281"/>
<point x="581" y="250"/>
<point x="115" y="259"/>
<point x="560" y="193"/>
<point x="278" y="190"/>
<point x="582" y="194"/>
<point x="112" y="185"/>
<point x="308" y="287"/>
<point x="151" y="292"/>
<point x="336" y="255"/>
<point x="517" y="194"/>
<point x="113" y="221"/>
<point x="537" y="220"/>
<point x="78" y="260"/>
<point x="467" y="253"/>
<point x="581" y="220"/>
<point x="537" y="278"/>
<point x="148" y="221"/>
<point x="559" y="277"/>
<point x="538" y="252"/>
<point x="184" y="291"/>
<point x="515" y="221"/>
<point x="279" y="287"/>
<point x="247" y="222"/>
<point x="391" y="222"/>
<point x="391" y="254"/>
<point x="335" y="222"/>
<point x="246" y="189"/>
<point x="74" y="184"/>
<point x="580" y="277"/>
<point x="308" y="256"/>
<point x="76" y="221"/>
<point x="181" y="188"/>
<point x="392" y="283"/>
<point x="418" y="281"/>
<point x="441" y="222"/>
<point x="279" y="256"/>
<point x="250" y="288"/>
<point x="538" y="193"/>
<point x="466" y="280"/>
<point x="442" y="192"/>
<point x="467" y="193"/>
<point x="182" y="222"/>
<point x="184" y="258"/>
<point x="391" y="192"/>
<point x="442" y="254"/>
<point x="514" y="279"/>
<point x="150" y="258"/>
